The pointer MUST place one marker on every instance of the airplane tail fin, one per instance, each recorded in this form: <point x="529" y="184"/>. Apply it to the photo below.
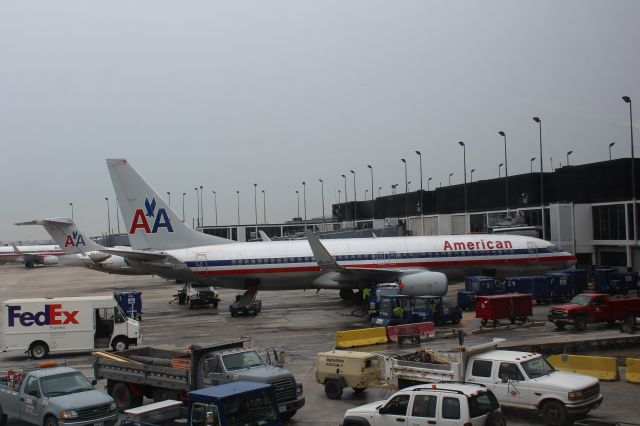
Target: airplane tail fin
<point x="151" y="223"/>
<point x="67" y="235"/>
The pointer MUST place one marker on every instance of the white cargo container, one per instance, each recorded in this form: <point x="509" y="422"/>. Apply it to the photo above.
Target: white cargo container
<point x="43" y="325"/>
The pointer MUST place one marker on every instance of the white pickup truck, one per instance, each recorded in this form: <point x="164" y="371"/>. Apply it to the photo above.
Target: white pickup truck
<point x="518" y="379"/>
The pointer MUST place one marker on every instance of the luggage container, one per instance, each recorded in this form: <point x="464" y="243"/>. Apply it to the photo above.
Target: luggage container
<point x="467" y="300"/>
<point x="603" y="275"/>
<point x="562" y="285"/>
<point x="480" y="284"/>
<point x="628" y="282"/>
<point x="514" y="307"/>
<point x="538" y="286"/>
<point x="130" y="301"/>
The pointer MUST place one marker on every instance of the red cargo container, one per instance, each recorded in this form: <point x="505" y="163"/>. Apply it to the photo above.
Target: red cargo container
<point x="514" y="307"/>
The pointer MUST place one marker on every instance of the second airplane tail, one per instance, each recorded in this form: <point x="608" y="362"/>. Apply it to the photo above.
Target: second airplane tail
<point x="150" y="222"/>
<point x="67" y="235"/>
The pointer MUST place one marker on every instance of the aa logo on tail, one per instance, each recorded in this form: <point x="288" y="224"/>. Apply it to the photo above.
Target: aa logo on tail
<point x="141" y="220"/>
<point x="74" y="239"/>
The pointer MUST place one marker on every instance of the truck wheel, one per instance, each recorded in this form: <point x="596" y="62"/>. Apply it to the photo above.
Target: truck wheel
<point x="560" y="326"/>
<point x="215" y="305"/>
<point x="38" y="350"/>
<point x="580" y="324"/>
<point x="122" y="396"/>
<point x="332" y="389"/>
<point x="554" y="413"/>
<point x="630" y="319"/>
<point x="496" y="419"/>
<point x="50" y="421"/>
<point x="3" y="418"/>
<point x="120" y="344"/>
<point x="483" y="322"/>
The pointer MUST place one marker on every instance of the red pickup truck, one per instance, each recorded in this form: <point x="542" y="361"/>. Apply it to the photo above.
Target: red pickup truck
<point x="588" y="308"/>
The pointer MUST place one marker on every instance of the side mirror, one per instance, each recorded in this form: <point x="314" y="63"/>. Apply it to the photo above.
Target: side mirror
<point x="505" y="379"/>
<point x="381" y="410"/>
<point x="94" y="382"/>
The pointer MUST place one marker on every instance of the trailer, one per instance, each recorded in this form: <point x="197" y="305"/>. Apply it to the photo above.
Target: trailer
<point x="514" y="307"/>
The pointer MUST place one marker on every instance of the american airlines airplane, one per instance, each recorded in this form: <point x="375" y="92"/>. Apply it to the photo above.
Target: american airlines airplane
<point x="89" y="254"/>
<point x="31" y="255"/>
<point x="164" y="245"/>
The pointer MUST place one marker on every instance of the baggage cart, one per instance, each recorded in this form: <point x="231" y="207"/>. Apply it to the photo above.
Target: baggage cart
<point x="538" y="286"/>
<point x="480" y="284"/>
<point x="514" y="307"/>
<point x="130" y="301"/>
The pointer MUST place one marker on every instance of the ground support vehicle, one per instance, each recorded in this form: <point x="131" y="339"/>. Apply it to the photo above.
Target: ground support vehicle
<point x="442" y="404"/>
<point x="237" y="403"/>
<point x="43" y="325"/>
<point x="337" y="370"/>
<point x="52" y="396"/>
<point x="246" y="304"/>
<point x="514" y="307"/>
<point x="475" y="285"/>
<point x="415" y="309"/>
<point x="161" y="374"/>
<point x="518" y="379"/>
<point x="384" y="289"/>
<point x="610" y="281"/>
<point x="466" y="300"/>
<point x="563" y="285"/>
<point x="197" y="295"/>
<point x="539" y="287"/>
<point x="130" y="301"/>
<point x="589" y="308"/>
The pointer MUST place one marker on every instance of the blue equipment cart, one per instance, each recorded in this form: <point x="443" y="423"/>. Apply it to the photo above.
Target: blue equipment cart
<point x="130" y="301"/>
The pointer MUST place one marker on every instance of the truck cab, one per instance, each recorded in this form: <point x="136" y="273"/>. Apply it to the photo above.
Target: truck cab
<point x="527" y="380"/>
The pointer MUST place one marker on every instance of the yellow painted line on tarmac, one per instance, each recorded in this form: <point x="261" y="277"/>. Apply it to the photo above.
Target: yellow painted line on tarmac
<point x="466" y="317"/>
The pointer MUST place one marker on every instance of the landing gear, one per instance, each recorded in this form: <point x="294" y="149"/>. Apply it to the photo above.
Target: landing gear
<point x="346" y="294"/>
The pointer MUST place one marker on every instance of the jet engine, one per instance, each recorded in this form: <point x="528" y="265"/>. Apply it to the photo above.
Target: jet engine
<point x="98" y="256"/>
<point x="425" y="283"/>
<point x="50" y="260"/>
<point x="114" y="263"/>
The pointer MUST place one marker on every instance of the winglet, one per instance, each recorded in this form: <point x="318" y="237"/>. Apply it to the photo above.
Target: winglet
<point x="264" y="237"/>
<point x="326" y="262"/>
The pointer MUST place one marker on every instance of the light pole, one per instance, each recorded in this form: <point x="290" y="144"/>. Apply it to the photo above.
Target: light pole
<point x="450" y="174"/>
<point x="298" y="198"/>
<point x="345" y="196"/>
<point x="322" y="193"/>
<point x="627" y="99"/>
<point x="215" y="205"/>
<point x="500" y="170"/>
<point x="428" y="180"/>
<point x="255" y="204"/>
<point x="201" y="207"/>
<point x="379" y="188"/>
<point x="506" y="171"/>
<point x="339" y="196"/>
<point x="365" y="194"/>
<point x="531" y="163"/>
<point x="238" y="196"/>
<point x="471" y="172"/>
<point x="304" y="202"/>
<point x="108" y="217"/>
<point x="464" y="162"/>
<point x="71" y="204"/>
<point x="421" y="196"/>
<point x="373" y="216"/>
<point x="406" y="191"/>
<point x="183" y="194"/>
<point x="264" y="206"/>
<point x="355" y="201"/>
<point x="568" y="154"/>
<point x="198" y="208"/>
<point x="393" y="189"/>
<point x="544" y="227"/>
<point x="610" y="145"/>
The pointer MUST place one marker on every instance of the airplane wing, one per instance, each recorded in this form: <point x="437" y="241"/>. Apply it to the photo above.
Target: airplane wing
<point x="327" y="263"/>
<point x="143" y="256"/>
<point x="264" y="236"/>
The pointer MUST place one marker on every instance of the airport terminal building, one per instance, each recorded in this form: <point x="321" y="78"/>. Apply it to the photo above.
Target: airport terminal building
<point x="588" y="211"/>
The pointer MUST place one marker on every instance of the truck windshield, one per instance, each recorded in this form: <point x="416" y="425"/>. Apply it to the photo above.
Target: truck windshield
<point x="250" y="410"/>
<point x="537" y="367"/>
<point x="482" y="403"/>
<point x="63" y="384"/>
<point x="581" y="299"/>
<point x="241" y="360"/>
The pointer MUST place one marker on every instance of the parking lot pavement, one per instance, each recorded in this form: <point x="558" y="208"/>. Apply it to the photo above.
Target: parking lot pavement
<point x="301" y="323"/>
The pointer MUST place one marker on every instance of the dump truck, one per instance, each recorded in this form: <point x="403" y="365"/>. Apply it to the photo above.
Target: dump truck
<point x="237" y="403"/>
<point x="161" y="374"/>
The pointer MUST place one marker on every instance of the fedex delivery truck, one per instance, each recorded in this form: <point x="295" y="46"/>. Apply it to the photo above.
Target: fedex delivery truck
<point x="43" y="325"/>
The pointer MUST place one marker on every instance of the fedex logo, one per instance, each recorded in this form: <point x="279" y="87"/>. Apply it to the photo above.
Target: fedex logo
<point x="142" y="219"/>
<point x="51" y="315"/>
<point x="75" y="239"/>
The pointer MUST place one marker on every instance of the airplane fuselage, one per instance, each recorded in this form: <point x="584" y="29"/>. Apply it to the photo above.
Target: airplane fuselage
<point x="282" y="265"/>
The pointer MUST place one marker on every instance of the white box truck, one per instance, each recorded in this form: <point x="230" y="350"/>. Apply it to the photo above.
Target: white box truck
<point x="43" y="325"/>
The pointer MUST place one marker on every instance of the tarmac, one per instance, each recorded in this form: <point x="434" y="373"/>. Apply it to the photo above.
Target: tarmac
<point x="301" y="323"/>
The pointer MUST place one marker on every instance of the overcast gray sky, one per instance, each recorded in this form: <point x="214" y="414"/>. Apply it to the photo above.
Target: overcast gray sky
<point x="230" y="93"/>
